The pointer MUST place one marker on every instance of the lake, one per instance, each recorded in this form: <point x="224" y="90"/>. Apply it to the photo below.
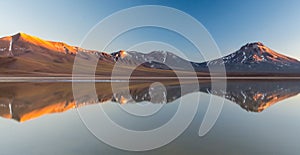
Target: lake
<point x="45" y="117"/>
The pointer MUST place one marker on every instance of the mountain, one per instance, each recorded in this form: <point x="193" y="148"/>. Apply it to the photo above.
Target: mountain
<point x="155" y="59"/>
<point x="252" y="59"/>
<point x="25" y="55"/>
<point x="257" y="59"/>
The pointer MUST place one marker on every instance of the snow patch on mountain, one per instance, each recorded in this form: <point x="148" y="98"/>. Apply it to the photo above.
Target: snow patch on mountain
<point x="10" y="44"/>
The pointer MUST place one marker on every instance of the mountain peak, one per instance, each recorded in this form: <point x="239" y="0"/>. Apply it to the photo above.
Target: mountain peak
<point x="22" y="34"/>
<point x="27" y="37"/>
<point x="120" y="54"/>
<point x="123" y="53"/>
<point x="252" y="54"/>
<point x="16" y="36"/>
<point x="257" y="51"/>
<point x="22" y="42"/>
<point x="253" y="45"/>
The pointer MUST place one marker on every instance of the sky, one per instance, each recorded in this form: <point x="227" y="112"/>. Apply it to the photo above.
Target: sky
<point x="231" y="23"/>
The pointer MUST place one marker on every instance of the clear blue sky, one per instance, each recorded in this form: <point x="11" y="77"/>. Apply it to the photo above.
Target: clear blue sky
<point x="231" y="23"/>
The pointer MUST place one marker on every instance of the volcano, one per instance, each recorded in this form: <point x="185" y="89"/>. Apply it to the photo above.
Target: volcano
<point x="257" y="59"/>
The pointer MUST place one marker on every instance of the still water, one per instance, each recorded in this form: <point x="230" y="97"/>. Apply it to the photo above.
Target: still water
<point x="258" y="117"/>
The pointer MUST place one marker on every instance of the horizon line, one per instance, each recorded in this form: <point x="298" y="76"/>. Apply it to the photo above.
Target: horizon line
<point x="126" y="79"/>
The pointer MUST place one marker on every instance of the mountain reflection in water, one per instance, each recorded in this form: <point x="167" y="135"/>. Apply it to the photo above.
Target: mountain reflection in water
<point x="25" y="101"/>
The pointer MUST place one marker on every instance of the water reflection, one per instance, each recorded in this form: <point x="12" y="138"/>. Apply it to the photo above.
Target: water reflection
<point x="25" y="101"/>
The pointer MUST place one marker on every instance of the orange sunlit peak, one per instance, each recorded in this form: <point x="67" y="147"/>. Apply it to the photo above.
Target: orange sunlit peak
<point x="22" y="34"/>
<point x="123" y="54"/>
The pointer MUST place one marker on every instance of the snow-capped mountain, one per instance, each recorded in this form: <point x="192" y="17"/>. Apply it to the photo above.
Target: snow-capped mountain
<point x="256" y="53"/>
<point x="257" y="58"/>
<point x="251" y="59"/>
<point x="155" y="59"/>
<point x="25" y="55"/>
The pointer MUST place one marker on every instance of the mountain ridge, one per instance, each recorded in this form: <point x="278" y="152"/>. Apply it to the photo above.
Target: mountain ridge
<point x="21" y="49"/>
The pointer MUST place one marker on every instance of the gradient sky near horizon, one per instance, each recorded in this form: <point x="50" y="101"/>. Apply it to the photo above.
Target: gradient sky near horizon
<point x="231" y="23"/>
